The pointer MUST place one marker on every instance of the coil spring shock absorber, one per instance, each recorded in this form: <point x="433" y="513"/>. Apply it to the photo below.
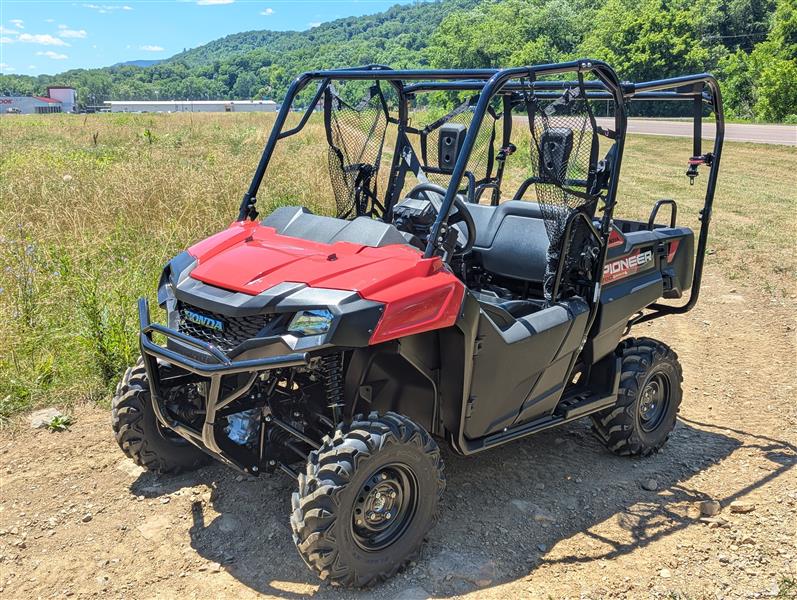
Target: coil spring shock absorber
<point x="332" y="373"/>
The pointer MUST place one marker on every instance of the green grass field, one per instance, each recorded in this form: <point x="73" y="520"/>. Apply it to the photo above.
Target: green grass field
<point x="91" y="208"/>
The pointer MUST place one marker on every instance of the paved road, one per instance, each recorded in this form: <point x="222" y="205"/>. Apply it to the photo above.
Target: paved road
<point x="785" y="135"/>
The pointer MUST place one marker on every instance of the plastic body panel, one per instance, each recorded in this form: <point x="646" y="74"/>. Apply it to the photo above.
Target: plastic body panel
<point x="419" y="294"/>
<point x="399" y="376"/>
<point x="630" y="283"/>
<point x="519" y="373"/>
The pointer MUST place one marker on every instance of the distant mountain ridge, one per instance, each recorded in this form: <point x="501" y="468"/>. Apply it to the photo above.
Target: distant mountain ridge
<point x="403" y="25"/>
<point x="751" y="45"/>
<point x="259" y="64"/>
<point x="138" y="63"/>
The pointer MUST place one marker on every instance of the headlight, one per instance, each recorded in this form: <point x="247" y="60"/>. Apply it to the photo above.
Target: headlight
<point x="311" y="322"/>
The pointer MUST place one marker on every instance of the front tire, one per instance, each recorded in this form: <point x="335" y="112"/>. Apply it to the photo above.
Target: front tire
<point x="648" y="400"/>
<point x="368" y="499"/>
<point x="139" y="434"/>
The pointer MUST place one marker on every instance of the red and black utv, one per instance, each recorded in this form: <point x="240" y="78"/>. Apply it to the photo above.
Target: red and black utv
<point x="342" y="349"/>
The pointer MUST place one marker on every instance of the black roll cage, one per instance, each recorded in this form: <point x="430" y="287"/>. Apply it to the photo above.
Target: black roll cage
<point x="699" y="89"/>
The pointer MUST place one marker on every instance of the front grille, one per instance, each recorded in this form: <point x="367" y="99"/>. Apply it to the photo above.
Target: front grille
<point x="235" y="330"/>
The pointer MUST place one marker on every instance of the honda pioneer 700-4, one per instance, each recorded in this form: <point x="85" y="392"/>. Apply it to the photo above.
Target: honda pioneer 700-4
<point x="436" y="306"/>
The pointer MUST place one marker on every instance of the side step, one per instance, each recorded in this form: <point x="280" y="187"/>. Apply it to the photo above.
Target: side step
<point x="583" y="404"/>
<point x="568" y="410"/>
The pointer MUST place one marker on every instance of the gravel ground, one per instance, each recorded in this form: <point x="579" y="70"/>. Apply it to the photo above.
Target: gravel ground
<point x="552" y="516"/>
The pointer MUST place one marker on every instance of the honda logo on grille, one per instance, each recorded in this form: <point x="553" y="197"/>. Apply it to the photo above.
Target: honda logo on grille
<point x="204" y="320"/>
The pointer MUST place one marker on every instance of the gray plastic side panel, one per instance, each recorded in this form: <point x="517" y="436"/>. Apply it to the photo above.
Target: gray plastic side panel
<point x="510" y="364"/>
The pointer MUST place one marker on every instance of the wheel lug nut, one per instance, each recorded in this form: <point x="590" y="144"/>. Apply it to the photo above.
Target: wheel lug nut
<point x="384" y="476"/>
<point x="387" y="515"/>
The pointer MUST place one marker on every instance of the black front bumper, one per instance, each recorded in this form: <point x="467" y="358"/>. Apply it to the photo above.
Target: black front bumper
<point x="215" y="366"/>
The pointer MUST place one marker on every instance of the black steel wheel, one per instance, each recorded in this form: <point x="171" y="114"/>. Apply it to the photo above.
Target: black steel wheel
<point x="654" y="401"/>
<point x="386" y="504"/>
<point x="648" y="401"/>
<point x="368" y="499"/>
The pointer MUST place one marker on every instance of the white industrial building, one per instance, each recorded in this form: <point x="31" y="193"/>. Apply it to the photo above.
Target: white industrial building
<point x="58" y="99"/>
<point x="192" y="105"/>
<point x="66" y="95"/>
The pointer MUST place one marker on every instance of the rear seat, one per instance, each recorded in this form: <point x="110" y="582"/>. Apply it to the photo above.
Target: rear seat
<point x="511" y="239"/>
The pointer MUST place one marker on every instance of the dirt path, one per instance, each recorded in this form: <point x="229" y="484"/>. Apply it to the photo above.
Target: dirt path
<point x="551" y="516"/>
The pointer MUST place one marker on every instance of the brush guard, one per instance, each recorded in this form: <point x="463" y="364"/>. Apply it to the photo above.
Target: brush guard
<point x="216" y="366"/>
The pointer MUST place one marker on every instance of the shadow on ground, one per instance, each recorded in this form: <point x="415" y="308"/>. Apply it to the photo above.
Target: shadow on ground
<point x="501" y="513"/>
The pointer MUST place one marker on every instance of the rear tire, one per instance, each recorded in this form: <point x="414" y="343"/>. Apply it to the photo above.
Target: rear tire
<point x="648" y="400"/>
<point x="139" y="434"/>
<point x="368" y="499"/>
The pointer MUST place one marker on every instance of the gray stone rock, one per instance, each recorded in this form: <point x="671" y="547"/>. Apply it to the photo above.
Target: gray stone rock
<point x="42" y="418"/>
<point x="449" y="565"/>
<point x="742" y="506"/>
<point x="412" y="593"/>
<point x="710" y="508"/>
<point x="650" y="485"/>
<point x="228" y="523"/>
<point x="543" y="516"/>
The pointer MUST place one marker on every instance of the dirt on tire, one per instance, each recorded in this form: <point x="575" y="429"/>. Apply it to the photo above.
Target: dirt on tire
<point x="712" y="515"/>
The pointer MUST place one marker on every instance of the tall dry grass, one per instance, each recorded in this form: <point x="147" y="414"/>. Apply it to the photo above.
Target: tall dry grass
<point x="92" y="207"/>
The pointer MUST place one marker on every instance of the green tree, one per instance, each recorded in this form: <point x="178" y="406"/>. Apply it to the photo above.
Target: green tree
<point x="651" y="39"/>
<point x="509" y="33"/>
<point x="245" y="86"/>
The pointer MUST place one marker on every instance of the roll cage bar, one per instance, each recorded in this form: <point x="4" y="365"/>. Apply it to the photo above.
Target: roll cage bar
<point x="699" y="89"/>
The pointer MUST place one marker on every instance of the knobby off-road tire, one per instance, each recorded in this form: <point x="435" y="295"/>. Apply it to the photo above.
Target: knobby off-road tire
<point x="138" y="433"/>
<point x="368" y="499"/>
<point x="648" y="400"/>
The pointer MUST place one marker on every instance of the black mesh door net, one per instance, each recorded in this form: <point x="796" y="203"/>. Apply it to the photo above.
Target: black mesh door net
<point x="355" y="135"/>
<point x="564" y="149"/>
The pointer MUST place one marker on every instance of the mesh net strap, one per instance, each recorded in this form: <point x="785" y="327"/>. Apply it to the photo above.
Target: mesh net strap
<point x="564" y="152"/>
<point x="356" y="135"/>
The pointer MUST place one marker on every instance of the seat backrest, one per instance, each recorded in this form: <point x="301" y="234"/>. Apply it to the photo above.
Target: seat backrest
<point x="511" y="239"/>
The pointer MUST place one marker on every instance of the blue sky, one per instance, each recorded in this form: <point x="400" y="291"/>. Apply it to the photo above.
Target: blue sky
<point x="52" y="36"/>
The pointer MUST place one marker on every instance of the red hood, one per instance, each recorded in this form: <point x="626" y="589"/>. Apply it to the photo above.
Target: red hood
<point x="251" y="258"/>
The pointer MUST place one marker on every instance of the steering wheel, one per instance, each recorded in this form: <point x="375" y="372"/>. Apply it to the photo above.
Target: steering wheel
<point x="460" y="215"/>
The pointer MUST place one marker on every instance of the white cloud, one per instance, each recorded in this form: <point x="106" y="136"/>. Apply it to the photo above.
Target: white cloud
<point x="267" y="12"/>
<point x="43" y="39"/>
<point x="71" y="33"/>
<point x="151" y="48"/>
<point x="18" y="23"/>
<point x="312" y="24"/>
<point x="49" y="20"/>
<point x="6" y="40"/>
<point x="31" y="67"/>
<point x="106" y="8"/>
<point x="52" y="55"/>
<point x="7" y="31"/>
<point x="213" y="2"/>
<point x="6" y="67"/>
